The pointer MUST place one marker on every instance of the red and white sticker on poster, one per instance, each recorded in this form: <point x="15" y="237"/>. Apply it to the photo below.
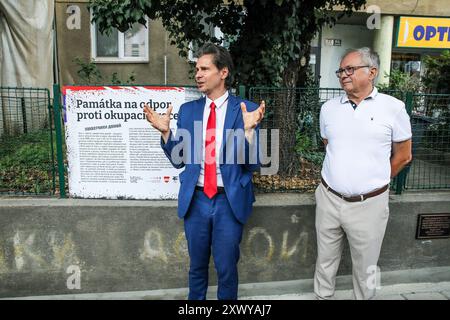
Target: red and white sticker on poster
<point x="112" y="151"/>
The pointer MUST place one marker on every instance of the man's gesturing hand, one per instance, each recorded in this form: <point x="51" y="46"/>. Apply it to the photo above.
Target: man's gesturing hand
<point x="159" y="121"/>
<point x="252" y="119"/>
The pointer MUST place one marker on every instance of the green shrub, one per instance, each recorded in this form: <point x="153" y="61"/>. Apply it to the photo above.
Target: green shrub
<point x="437" y="75"/>
<point x="26" y="163"/>
<point x="90" y="74"/>
<point x="402" y="81"/>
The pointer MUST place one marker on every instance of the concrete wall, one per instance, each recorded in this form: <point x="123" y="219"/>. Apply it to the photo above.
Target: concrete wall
<point x="140" y="245"/>
<point x="351" y="36"/>
<point x="77" y="43"/>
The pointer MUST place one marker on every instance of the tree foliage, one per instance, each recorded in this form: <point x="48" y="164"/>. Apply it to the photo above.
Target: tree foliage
<point x="267" y="38"/>
<point x="437" y="75"/>
<point x="402" y="81"/>
<point x="269" y="41"/>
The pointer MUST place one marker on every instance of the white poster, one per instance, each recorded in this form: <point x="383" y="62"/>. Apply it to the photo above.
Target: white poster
<point x="112" y="150"/>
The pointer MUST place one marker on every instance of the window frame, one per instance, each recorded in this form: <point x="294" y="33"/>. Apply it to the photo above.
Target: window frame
<point x="121" y="48"/>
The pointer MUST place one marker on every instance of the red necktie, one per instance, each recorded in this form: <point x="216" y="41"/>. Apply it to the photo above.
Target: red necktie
<point x="210" y="183"/>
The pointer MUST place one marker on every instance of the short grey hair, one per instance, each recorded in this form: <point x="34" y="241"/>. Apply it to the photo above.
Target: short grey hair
<point x="368" y="57"/>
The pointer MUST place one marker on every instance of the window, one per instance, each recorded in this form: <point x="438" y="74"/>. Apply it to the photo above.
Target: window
<point x="406" y="62"/>
<point x="131" y="46"/>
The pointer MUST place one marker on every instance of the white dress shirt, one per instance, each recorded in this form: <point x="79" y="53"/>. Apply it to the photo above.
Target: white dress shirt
<point x="221" y="110"/>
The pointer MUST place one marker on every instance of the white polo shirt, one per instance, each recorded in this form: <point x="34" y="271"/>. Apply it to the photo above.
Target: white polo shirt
<point x="359" y="145"/>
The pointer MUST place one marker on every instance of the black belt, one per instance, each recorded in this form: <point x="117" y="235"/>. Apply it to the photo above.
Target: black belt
<point x="360" y="197"/>
<point x="219" y="189"/>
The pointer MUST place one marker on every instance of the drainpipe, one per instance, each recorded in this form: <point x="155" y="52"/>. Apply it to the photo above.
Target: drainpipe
<point x="165" y="58"/>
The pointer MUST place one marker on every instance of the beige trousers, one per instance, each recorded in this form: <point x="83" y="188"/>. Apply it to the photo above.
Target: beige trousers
<point x="364" y="224"/>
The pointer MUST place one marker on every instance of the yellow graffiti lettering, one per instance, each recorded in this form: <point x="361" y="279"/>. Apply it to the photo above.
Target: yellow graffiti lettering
<point x="3" y="268"/>
<point x="63" y="249"/>
<point x="287" y="253"/>
<point x="23" y="252"/>
<point x="153" y="246"/>
<point x="180" y="246"/>
<point x="258" y="230"/>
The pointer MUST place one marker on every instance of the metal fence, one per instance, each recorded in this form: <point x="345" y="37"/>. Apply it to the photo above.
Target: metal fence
<point x="295" y="112"/>
<point x="27" y="164"/>
<point x="430" y="120"/>
<point x="32" y="142"/>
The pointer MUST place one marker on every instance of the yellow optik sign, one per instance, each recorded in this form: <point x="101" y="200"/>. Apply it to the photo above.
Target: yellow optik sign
<point x="418" y="32"/>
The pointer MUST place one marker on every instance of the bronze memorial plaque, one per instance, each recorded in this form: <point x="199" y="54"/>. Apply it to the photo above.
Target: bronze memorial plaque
<point x="433" y="226"/>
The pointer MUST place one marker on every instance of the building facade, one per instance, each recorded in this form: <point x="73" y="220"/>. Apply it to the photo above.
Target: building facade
<point x="142" y="53"/>
<point x="146" y="54"/>
<point x="402" y="33"/>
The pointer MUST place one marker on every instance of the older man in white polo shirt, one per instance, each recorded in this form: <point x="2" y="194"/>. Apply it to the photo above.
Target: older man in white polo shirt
<point x="367" y="136"/>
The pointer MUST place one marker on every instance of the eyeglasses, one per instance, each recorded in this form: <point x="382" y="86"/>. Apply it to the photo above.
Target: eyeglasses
<point x="348" y="70"/>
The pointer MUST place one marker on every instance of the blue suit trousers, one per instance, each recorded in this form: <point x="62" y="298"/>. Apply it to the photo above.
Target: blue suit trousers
<point x="211" y="227"/>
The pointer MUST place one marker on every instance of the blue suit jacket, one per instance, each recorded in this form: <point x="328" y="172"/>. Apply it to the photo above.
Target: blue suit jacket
<point x="185" y="150"/>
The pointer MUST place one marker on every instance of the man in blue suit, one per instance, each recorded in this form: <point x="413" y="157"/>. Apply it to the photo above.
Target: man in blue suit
<point x="216" y="142"/>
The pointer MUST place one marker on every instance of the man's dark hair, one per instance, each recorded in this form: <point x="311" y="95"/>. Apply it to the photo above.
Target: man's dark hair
<point x="221" y="59"/>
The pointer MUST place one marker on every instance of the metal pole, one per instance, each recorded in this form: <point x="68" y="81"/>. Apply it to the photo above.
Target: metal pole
<point x="242" y="91"/>
<point x="59" y="142"/>
<point x="401" y="177"/>
<point x="24" y="115"/>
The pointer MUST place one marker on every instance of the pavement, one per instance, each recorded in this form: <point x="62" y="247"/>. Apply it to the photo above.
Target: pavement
<point x="409" y="291"/>
<point x="411" y="284"/>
